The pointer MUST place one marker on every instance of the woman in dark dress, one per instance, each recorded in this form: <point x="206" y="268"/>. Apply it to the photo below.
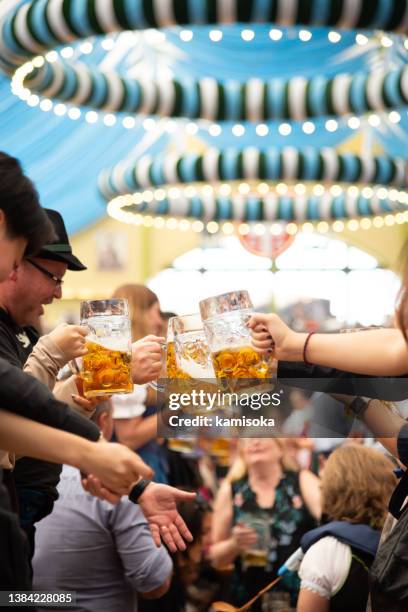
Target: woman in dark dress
<point x="261" y="511"/>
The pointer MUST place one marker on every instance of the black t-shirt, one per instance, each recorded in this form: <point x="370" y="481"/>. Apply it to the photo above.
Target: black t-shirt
<point x="402" y="444"/>
<point x="16" y="344"/>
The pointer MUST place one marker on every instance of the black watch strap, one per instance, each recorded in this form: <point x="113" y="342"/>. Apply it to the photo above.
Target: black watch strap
<point x="359" y="405"/>
<point x="138" y="489"/>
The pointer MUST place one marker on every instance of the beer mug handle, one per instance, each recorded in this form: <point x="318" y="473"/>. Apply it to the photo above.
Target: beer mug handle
<point x="91" y="330"/>
<point x="154" y="384"/>
<point x="75" y="366"/>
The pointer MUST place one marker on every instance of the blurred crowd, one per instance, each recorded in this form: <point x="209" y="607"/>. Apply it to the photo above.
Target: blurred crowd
<point x="92" y="501"/>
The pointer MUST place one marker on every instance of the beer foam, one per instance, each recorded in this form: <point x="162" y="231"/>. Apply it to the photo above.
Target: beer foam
<point x="109" y="342"/>
<point x="195" y="370"/>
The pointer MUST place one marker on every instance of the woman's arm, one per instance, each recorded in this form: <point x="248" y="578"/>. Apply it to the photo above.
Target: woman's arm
<point x="312" y="602"/>
<point x="310" y="490"/>
<point x="223" y="550"/>
<point x="137" y="431"/>
<point x="24" y="395"/>
<point x="117" y="467"/>
<point x="323" y="571"/>
<point x="379" y="352"/>
<point x="384" y="423"/>
<point x="229" y="541"/>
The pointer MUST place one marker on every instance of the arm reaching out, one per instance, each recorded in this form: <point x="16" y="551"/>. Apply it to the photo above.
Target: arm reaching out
<point x="379" y="352"/>
<point x="116" y="466"/>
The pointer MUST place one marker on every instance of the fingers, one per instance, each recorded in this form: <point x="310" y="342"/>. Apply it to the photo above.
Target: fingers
<point x="92" y="485"/>
<point x="152" y="337"/>
<point x="155" y="531"/>
<point x="177" y="539"/>
<point x="258" y="319"/>
<point x="147" y="351"/>
<point x="259" y="328"/>
<point x="78" y="330"/>
<point x="109" y="496"/>
<point x="262" y="346"/>
<point x="168" y="538"/>
<point x="244" y="531"/>
<point x="184" y="495"/>
<point x="183" y="529"/>
<point x="140" y="468"/>
<point x="261" y="339"/>
<point x="156" y="364"/>
<point x="261" y="335"/>
<point x="84" y="403"/>
<point x="151" y="349"/>
<point x="79" y="385"/>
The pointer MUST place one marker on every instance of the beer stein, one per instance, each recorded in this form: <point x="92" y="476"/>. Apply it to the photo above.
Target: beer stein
<point x="106" y="368"/>
<point x="236" y="363"/>
<point x="188" y="355"/>
<point x="257" y="554"/>
<point x="189" y="365"/>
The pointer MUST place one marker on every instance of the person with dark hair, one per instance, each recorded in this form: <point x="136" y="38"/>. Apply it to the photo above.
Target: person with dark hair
<point x="23" y="223"/>
<point x="117" y="467"/>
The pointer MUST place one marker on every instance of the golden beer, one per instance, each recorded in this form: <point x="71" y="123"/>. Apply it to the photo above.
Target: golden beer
<point x="221" y="450"/>
<point x="173" y="371"/>
<point x="193" y="356"/>
<point x="106" y="371"/>
<point x="255" y="558"/>
<point x="241" y="362"/>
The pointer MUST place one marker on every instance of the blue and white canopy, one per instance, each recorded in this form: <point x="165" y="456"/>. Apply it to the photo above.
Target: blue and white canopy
<point x="263" y="86"/>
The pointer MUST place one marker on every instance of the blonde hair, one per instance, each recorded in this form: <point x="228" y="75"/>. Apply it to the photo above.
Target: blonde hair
<point x="357" y="484"/>
<point x="140" y="299"/>
<point x="239" y="468"/>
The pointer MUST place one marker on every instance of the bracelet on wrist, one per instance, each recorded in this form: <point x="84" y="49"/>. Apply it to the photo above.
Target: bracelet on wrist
<point x="305" y="360"/>
<point x="138" y="489"/>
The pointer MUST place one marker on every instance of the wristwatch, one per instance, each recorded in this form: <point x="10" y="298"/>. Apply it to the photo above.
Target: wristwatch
<point x="138" y="489"/>
<point x="359" y="405"/>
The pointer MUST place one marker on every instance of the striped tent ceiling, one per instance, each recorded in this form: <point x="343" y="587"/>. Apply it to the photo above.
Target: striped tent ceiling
<point x="65" y="151"/>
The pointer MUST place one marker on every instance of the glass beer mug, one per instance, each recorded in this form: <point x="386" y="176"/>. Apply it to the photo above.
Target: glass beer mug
<point x="189" y="364"/>
<point x="236" y="363"/>
<point x="188" y="355"/>
<point x="257" y="554"/>
<point x="106" y="368"/>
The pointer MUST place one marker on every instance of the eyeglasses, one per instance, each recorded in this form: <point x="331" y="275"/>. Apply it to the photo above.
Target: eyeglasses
<point x="58" y="281"/>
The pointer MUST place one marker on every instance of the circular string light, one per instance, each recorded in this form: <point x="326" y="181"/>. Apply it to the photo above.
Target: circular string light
<point x="203" y="98"/>
<point x="23" y="38"/>
<point x="337" y="207"/>
<point x="228" y="228"/>
<point x="40" y="76"/>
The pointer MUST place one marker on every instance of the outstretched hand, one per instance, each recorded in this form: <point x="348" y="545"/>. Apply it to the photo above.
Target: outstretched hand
<point x="159" y="505"/>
